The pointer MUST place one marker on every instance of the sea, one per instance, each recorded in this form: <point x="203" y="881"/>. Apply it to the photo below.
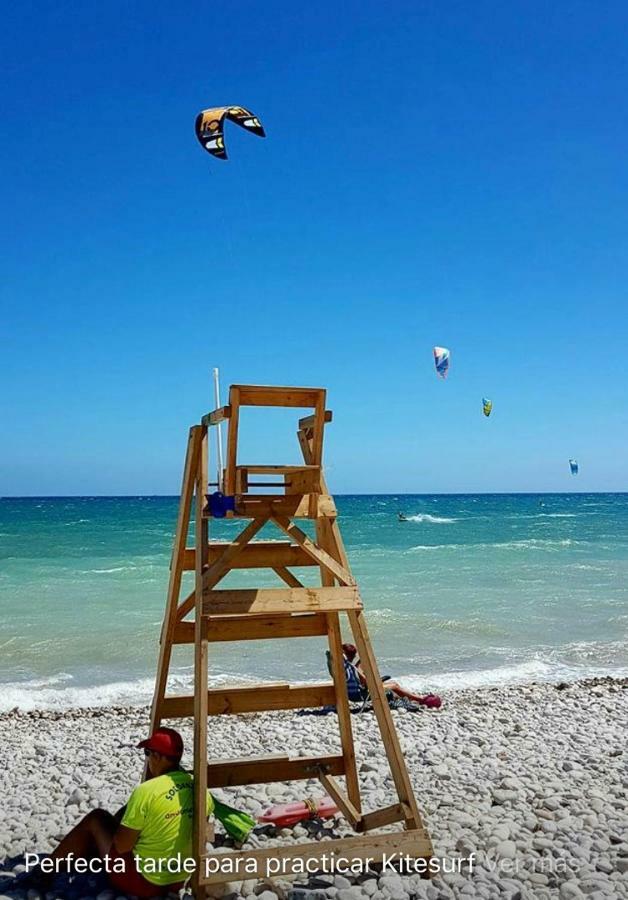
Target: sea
<point x="466" y="591"/>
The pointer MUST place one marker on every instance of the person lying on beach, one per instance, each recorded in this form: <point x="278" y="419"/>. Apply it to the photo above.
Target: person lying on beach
<point x="143" y="844"/>
<point x="354" y="670"/>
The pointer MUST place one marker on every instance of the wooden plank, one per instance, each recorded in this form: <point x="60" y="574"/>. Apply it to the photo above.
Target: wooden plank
<point x="287" y="576"/>
<point x="321" y="556"/>
<point x="216" y="416"/>
<point x="275" y="601"/>
<point x="343" y="803"/>
<point x="290" y="860"/>
<point x="176" y="571"/>
<point x="253" y="698"/>
<point x="267" y="395"/>
<point x="270" y="769"/>
<point x="256" y="555"/>
<point x="381" y="817"/>
<point x="251" y="628"/>
<point x="296" y="506"/>
<point x="307" y="422"/>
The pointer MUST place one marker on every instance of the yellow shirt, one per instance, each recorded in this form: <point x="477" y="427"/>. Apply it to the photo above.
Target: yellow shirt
<point x="161" y="810"/>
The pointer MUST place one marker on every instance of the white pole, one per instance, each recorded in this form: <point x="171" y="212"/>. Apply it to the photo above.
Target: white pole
<point x="218" y="429"/>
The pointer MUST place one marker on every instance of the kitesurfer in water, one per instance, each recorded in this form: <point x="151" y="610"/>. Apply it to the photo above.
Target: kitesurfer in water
<point x="401" y="517"/>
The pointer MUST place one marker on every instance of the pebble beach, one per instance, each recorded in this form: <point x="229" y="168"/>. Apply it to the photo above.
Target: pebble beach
<point x="529" y="782"/>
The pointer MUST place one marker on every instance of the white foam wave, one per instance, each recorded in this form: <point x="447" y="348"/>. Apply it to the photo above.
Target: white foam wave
<point x="57" y="692"/>
<point x="555" y="515"/>
<point x="432" y="520"/>
<point x="524" y="672"/>
<point x="530" y="544"/>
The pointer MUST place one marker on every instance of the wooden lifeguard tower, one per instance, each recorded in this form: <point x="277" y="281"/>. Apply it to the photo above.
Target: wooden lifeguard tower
<point x="289" y="611"/>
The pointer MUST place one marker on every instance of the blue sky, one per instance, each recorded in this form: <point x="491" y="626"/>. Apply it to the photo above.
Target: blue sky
<point x="434" y="173"/>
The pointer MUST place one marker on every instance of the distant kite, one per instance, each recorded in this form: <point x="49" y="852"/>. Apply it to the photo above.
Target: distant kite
<point x="487" y="406"/>
<point x="441" y="361"/>
<point x="573" y="466"/>
<point x="210" y="127"/>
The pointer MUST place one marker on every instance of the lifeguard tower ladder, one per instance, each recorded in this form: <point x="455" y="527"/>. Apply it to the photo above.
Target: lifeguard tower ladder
<point x="290" y="611"/>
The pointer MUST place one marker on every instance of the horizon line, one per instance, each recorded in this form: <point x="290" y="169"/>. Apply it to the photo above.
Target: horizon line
<point x="337" y="494"/>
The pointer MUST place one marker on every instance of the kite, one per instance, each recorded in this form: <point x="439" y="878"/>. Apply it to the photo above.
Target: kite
<point x="573" y="465"/>
<point x="441" y="361"/>
<point x="487" y="406"/>
<point x="210" y="126"/>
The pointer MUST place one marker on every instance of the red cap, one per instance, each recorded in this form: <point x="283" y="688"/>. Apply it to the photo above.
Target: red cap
<point x="166" y="741"/>
<point x="350" y="650"/>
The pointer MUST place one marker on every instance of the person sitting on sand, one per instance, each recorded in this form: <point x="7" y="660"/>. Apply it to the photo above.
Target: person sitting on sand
<point x="350" y="654"/>
<point x="151" y="834"/>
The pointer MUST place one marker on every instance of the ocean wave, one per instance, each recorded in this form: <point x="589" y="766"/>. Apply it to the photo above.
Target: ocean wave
<point x="57" y="692"/>
<point x="432" y="520"/>
<point x="523" y="672"/>
<point x="555" y="515"/>
<point x="529" y="544"/>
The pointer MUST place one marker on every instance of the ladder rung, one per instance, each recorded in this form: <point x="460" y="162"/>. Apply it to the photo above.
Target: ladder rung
<point x="275" y="601"/>
<point x="253" y="628"/>
<point x="256" y="555"/>
<point x="218" y="868"/>
<point x="380" y="817"/>
<point x="253" y="698"/>
<point x="269" y="769"/>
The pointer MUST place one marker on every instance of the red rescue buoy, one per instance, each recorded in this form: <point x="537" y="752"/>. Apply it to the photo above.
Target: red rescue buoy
<point x="291" y="813"/>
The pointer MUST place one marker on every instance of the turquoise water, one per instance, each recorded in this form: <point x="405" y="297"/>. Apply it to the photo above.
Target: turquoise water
<point x="470" y="590"/>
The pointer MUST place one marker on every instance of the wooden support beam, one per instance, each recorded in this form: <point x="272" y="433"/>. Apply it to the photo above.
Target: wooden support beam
<point x="307" y="422"/>
<point x="318" y="429"/>
<point x="343" y="803"/>
<point x="195" y="438"/>
<point x="232" y="441"/>
<point x="343" y="709"/>
<point x="256" y="555"/>
<point x="383" y="715"/>
<point x="212" y="575"/>
<point x="277" y="601"/>
<point x="270" y="769"/>
<point x="216" y="416"/>
<point x="218" y="868"/>
<point x="287" y="576"/>
<point x="317" y="553"/>
<point x="398" y="812"/>
<point x="219" y="569"/>
<point x="253" y="698"/>
<point x="252" y="628"/>
<point x="199" y="819"/>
